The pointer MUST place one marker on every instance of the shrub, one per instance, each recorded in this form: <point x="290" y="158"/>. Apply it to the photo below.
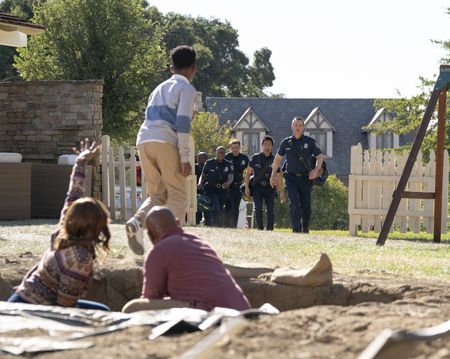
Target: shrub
<point x="329" y="207"/>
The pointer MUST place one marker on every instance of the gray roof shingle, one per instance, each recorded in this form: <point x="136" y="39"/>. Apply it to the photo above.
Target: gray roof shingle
<point x="347" y="115"/>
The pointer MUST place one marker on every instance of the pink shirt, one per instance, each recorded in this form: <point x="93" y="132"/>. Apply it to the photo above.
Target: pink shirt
<point x="186" y="268"/>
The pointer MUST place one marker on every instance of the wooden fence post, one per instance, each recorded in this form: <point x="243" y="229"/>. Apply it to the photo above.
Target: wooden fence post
<point x="112" y="183"/>
<point x="122" y="184"/>
<point x="105" y="144"/>
<point x="133" y="184"/>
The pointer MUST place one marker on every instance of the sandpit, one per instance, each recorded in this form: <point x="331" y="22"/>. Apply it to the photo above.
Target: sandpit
<point x="121" y="280"/>
<point x="337" y="320"/>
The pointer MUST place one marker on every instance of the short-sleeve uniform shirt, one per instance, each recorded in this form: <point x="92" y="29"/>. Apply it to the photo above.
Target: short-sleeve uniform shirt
<point x="260" y="163"/>
<point x="217" y="173"/>
<point x="240" y="163"/>
<point x="306" y="146"/>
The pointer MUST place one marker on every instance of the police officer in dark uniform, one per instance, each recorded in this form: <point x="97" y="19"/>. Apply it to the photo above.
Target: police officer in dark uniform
<point x="202" y="157"/>
<point x="240" y="162"/>
<point x="299" y="151"/>
<point x="216" y="178"/>
<point x="260" y="166"/>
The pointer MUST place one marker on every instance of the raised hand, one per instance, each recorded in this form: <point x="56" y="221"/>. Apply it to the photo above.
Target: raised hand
<point x="87" y="150"/>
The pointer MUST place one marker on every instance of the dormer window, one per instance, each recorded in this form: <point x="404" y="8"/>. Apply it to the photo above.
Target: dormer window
<point x="319" y="127"/>
<point x="250" y="130"/>
<point x="381" y="140"/>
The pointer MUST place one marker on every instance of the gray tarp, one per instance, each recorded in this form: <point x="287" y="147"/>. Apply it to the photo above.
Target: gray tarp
<point x="66" y="325"/>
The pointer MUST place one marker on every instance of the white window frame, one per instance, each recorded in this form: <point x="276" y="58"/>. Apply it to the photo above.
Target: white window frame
<point x="246" y="148"/>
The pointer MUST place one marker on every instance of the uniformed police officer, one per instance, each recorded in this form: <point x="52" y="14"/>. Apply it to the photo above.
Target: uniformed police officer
<point x="260" y="166"/>
<point x="202" y="157"/>
<point x="216" y="178"/>
<point x="240" y="162"/>
<point x="299" y="150"/>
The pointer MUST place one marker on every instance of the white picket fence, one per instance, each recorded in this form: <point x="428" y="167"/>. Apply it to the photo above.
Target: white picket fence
<point x="373" y="178"/>
<point x="122" y="195"/>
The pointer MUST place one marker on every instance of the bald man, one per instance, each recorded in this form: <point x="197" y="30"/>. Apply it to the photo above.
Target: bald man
<point x="185" y="268"/>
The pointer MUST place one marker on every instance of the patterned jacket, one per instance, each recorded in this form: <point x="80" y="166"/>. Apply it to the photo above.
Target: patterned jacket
<point x="64" y="275"/>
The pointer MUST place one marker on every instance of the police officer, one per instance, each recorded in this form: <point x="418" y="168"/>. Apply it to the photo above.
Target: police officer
<point x="216" y="178"/>
<point x="240" y="162"/>
<point x="202" y="157"/>
<point x="260" y="166"/>
<point x="299" y="150"/>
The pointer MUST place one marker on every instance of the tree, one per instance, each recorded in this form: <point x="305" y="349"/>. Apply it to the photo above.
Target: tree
<point x="408" y="112"/>
<point x="208" y="134"/>
<point x="223" y="69"/>
<point x="103" y="39"/>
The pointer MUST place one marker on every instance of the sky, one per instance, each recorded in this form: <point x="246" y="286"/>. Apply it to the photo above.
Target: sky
<point x="336" y="49"/>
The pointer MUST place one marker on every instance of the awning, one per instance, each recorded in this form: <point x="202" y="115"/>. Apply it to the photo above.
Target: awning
<point x="14" y="31"/>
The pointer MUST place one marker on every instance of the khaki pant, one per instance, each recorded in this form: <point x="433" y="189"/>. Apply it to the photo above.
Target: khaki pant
<point x="137" y="305"/>
<point x="166" y="186"/>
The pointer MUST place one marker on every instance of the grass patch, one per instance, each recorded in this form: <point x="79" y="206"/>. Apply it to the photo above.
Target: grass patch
<point x="422" y="236"/>
<point x="410" y="256"/>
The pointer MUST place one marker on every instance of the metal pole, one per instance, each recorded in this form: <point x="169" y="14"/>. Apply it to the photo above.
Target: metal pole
<point x="439" y="165"/>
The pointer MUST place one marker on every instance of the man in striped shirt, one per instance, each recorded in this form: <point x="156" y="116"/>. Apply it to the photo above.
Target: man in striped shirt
<point x="163" y="144"/>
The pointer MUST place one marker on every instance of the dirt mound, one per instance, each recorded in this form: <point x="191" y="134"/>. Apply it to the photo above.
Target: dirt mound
<point x="6" y="289"/>
<point x="115" y="287"/>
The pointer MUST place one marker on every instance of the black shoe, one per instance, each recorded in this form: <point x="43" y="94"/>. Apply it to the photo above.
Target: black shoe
<point x="260" y="228"/>
<point x="305" y="230"/>
<point x="296" y="231"/>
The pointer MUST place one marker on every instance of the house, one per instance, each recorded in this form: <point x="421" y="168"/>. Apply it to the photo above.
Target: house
<point x="336" y="124"/>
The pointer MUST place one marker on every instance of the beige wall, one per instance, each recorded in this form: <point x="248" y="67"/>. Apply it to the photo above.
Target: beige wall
<point x="44" y="119"/>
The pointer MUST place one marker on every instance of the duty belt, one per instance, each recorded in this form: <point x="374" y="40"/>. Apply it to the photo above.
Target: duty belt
<point x="218" y="185"/>
<point x="304" y="175"/>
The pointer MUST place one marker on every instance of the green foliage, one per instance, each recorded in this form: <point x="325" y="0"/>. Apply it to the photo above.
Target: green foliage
<point x="329" y="207"/>
<point x="103" y="39"/>
<point x="126" y="43"/>
<point x="408" y="114"/>
<point x="223" y="69"/>
<point x="207" y="133"/>
<point x="282" y="214"/>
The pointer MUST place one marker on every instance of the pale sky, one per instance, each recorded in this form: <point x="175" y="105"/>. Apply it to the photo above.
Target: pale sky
<point x="335" y="49"/>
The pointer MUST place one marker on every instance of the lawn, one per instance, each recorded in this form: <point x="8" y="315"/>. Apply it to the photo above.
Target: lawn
<point x="409" y="256"/>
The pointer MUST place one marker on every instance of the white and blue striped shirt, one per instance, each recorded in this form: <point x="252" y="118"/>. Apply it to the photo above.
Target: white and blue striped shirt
<point x="168" y="115"/>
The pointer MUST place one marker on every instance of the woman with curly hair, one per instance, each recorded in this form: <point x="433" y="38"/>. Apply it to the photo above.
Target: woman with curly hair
<point x="65" y="272"/>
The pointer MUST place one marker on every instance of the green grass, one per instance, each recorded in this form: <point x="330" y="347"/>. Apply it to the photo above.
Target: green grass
<point x="409" y="256"/>
<point x="422" y="236"/>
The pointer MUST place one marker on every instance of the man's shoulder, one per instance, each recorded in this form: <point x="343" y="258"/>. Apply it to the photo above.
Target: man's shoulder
<point x="243" y="156"/>
<point x="255" y="156"/>
<point x="186" y="86"/>
<point x="285" y="140"/>
<point x="308" y="139"/>
<point x="210" y="162"/>
<point x="228" y="162"/>
<point x="228" y="156"/>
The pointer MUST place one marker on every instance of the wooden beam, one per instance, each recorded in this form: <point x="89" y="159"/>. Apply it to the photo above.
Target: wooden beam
<point x="418" y="195"/>
<point x="408" y="168"/>
<point x="439" y="165"/>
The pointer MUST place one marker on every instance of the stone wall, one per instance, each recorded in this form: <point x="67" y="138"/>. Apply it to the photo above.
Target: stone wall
<point x="44" y="119"/>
